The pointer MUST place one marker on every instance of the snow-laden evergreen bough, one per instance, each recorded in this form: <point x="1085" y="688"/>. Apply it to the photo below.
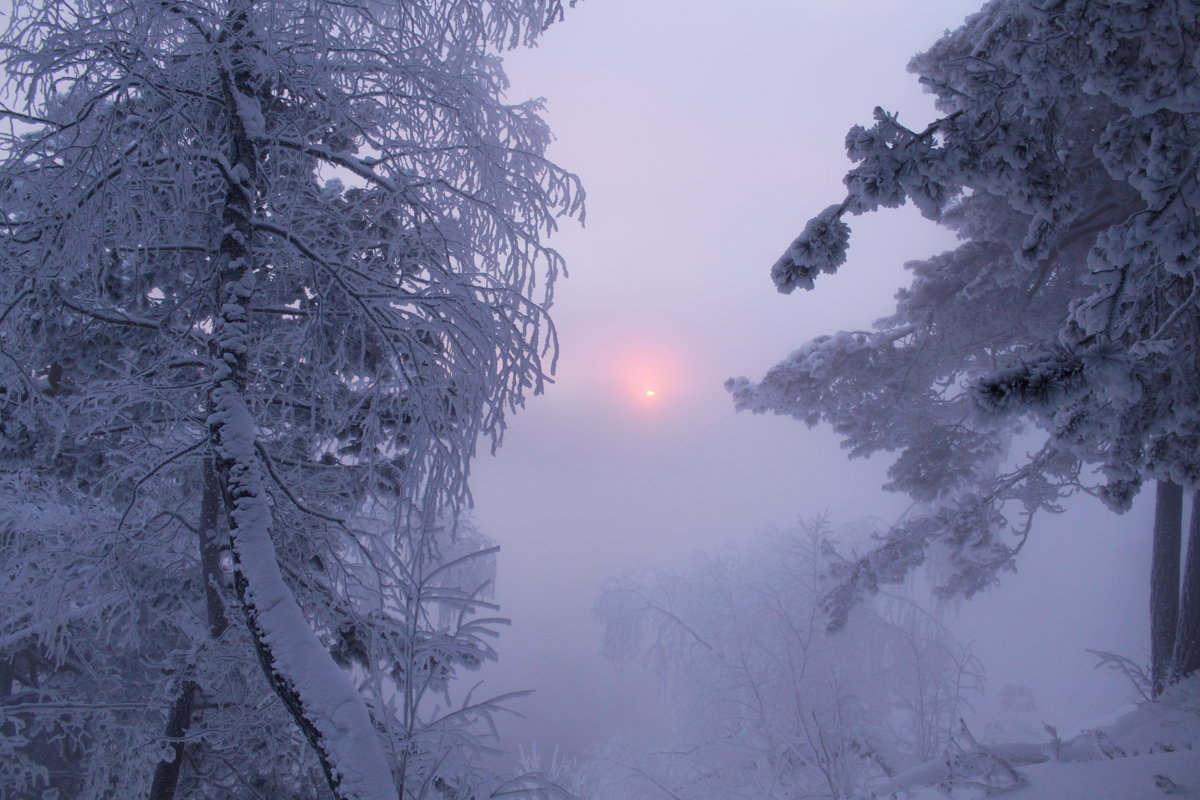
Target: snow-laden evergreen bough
<point x="270" y="270"/>
<point x="1068" y="160"/>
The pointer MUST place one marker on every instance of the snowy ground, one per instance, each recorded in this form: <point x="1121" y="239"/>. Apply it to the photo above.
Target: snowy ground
<point x="1151" y="752"/>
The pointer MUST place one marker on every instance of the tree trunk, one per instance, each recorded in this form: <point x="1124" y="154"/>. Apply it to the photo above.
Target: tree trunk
<point x="320" y="697"/>
<point x="210" y="551"/>
<point x="1164" y="581"/>
<point x="1187" y="637"/>
<point x="166" y="774"/>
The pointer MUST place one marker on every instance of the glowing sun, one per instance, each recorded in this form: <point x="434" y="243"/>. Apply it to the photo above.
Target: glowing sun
<point x="647" y="377"/>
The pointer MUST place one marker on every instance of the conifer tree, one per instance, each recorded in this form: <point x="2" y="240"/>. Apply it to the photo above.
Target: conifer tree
<point x="1066" y="160"/>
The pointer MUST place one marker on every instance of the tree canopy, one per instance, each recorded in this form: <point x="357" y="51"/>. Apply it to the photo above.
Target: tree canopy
<point x="270" y="270"/>
<point x="1066" y="160"/>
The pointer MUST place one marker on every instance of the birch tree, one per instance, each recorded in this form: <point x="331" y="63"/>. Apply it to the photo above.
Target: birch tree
<point x="1065" y="158"/>
<point x="271" y="270"/>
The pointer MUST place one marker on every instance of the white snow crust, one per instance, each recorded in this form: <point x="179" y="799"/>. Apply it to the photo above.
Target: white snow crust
<point x="1149" y="753"/>
<point x="329" y="698"/>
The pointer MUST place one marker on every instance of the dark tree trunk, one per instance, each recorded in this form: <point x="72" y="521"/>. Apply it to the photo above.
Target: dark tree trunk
<point x="210" y="551"/>
<point x="239" y="474"/>
<point x="166" y="774"/>
<point x="1164" y="581"/>
<point x="1187" y="638"/>
<point x="320" y="698"/>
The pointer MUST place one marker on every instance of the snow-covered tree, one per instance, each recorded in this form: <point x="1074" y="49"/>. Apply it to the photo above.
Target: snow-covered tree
<point x="767" y="703"/>
<point x="1066" y="160"/>
<point x="270" y="269"/>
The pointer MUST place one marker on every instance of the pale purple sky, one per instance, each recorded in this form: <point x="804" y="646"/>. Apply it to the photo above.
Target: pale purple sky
<point x="707" y="133"/>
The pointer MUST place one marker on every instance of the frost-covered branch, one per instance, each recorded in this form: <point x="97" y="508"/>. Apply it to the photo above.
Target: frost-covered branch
<point x="1065" y="160"/>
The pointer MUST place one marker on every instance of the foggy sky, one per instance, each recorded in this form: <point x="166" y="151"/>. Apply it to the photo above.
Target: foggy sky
<point x="707" y="133"/>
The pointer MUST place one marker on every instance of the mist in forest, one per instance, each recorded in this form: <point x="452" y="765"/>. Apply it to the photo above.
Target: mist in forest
<point x="705" y="140"/>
